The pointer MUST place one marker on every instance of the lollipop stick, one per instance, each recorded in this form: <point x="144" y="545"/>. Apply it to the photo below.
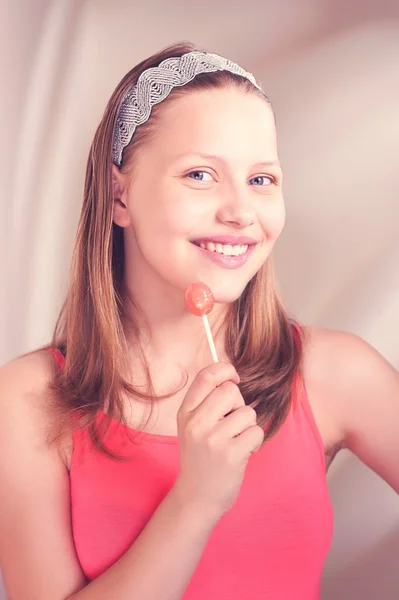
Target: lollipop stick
<point x="210" y="338"/>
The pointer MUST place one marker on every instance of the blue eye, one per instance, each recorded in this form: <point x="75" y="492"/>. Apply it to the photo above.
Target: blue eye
<point x="199" y="175"/>
<point x="262" y="180"/>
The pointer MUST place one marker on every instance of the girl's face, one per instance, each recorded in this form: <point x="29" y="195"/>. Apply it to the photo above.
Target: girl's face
<point x="203" y="201"/>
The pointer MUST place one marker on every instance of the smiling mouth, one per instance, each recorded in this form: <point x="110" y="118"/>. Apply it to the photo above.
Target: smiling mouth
<point x="224" y="249"/>
<point x="226" y="255"/>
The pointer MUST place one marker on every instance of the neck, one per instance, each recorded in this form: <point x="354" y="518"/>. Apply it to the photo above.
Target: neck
<point x="168" y="333"/>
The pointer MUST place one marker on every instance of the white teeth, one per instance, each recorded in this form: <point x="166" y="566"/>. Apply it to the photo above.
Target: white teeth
<point x="226" y="249"/>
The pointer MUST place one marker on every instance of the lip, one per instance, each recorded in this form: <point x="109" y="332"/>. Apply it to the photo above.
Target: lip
<point x="232" y="240"/>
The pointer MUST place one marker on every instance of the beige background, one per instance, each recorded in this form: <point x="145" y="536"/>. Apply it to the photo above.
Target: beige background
<point x="332" y="71"/>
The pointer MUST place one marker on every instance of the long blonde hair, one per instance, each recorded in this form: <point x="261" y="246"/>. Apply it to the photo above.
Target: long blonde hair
<point x="260" y="338"/>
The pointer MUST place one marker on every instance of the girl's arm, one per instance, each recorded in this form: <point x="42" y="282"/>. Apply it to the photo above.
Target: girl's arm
<point x="37" y="555"/>
<point x="359" y="390"/>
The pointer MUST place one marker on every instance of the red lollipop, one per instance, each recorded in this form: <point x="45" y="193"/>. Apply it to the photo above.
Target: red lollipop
<point x="199" y="301"/>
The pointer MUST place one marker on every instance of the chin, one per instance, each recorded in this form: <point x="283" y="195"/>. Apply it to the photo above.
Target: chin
<point x="227" y="294"/>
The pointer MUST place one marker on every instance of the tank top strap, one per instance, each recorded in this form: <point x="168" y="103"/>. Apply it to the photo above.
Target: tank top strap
<point x="303" y="406"/>
<point x="301" y="402"/>
<point x="297" y="384"/>
<point x="58" y="355"/>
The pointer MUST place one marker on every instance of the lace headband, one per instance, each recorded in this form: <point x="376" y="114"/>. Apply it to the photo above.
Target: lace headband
<point x="156" y="83"/>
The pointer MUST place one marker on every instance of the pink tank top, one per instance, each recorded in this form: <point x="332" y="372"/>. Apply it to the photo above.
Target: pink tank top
<point x="270" y="546"/>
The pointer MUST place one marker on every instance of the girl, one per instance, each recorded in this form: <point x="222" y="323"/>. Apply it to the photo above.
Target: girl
<point x="134" y="467"/>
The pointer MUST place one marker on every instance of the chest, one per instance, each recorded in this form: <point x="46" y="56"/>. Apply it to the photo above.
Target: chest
<point x="283" y="508"/>
<point x="161" y="419"/>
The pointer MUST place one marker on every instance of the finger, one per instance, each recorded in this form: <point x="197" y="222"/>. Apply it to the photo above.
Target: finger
<point x="236" y="423"/>
<point x="249" y="441"/>
<point x="220" y="402"/>
<point x="205" y="382"/>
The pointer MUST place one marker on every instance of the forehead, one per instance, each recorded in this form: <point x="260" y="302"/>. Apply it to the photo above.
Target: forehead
<point x="217" y="121"/>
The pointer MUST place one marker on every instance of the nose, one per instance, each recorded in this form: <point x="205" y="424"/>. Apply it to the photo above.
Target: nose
<point x="236" y="209"/>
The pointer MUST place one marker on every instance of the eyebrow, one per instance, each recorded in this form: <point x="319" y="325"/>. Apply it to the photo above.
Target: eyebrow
<point x="205" y="156"/>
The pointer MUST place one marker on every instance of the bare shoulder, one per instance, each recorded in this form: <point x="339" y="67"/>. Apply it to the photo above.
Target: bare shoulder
<point x="28" y="374"/>
<point x="37" y="365"/>
<point x="334" y="359"/>
<point x="24" y="398"/>
<point x="26" y="406"/>
<point x="321" y="344"/>
<point x="352" y="387"/>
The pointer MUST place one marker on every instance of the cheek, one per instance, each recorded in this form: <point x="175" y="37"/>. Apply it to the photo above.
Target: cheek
<point x="272" y="219"/>
<point x="157" y="215"/>
<point x="179" y="216"/>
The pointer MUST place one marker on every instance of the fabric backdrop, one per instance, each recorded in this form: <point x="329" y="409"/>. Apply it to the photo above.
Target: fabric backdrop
<point x="331" y="69"/>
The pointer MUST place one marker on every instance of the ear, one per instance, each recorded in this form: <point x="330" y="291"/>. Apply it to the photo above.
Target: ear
<point x="121" y="212"/>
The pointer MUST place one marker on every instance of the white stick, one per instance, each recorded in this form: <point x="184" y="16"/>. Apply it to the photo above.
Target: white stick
<point x="210" y="338"/>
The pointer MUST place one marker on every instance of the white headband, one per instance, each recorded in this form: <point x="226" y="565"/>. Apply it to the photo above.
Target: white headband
<point x="156" y="83"/>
